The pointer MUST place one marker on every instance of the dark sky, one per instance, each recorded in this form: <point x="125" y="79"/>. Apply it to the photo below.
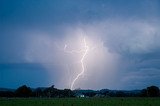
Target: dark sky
<point x="125" y="34"/>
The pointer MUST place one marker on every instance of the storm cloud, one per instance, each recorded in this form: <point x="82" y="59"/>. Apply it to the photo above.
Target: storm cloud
<point x="123" y="37"/>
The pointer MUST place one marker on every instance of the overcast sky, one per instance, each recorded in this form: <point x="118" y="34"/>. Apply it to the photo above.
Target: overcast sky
<point x="122" y="35"/>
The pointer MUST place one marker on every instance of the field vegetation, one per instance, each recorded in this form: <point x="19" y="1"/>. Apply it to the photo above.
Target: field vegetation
<point x="111" y="101"/>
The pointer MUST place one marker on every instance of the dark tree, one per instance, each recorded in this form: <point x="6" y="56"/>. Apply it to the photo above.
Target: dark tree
<point x="120" y="94"/>
<point x="90" y="94"/>
<point x="7" y="94"/>
<point x="153" y="91"/>
<point x="38" y="92"/>
<point x="51" y="92"/>
<point x="144" y="93"/>
<point x="67" y="93"/>
<point x="23" y="91"/>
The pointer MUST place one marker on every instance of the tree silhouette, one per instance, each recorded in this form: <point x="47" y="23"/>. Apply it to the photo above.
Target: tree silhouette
<point x="23" y="91"/>
<point x="153" y="91"/>
<point x="38" y="92"/>
<point x="67" y="93"/>
<point x="144" y="92"/>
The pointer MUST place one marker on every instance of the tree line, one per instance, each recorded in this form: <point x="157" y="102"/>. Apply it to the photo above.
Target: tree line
<point x="52" y="92"/>
<point x="24" y="91"/>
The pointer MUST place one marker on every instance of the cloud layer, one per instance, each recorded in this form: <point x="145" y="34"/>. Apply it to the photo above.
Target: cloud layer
<point x="121" y="54"/>
<point x="123" y="37"/>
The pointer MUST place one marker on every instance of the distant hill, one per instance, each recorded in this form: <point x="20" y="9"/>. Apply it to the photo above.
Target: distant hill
<point x="7" y="89"/>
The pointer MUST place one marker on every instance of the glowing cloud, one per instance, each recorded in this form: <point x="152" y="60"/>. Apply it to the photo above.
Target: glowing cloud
<point x="75" y="61"/>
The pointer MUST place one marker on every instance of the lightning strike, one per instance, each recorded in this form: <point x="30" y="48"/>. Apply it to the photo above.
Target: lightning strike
<point x="86" y="48"/>
<point x="84" y="51"/>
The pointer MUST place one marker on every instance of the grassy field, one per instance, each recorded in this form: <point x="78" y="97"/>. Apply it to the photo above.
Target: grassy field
<point x="80" y="102"/>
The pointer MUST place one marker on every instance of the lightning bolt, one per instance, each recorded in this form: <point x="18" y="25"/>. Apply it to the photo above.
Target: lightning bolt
<point x="85" y="51"/>
<point x="86" y="48"/>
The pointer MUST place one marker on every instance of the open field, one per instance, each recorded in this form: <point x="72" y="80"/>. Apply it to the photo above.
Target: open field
<point x="80" y="102"/>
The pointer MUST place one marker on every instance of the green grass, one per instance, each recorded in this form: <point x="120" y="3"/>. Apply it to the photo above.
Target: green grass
<point x="80" y="102"/>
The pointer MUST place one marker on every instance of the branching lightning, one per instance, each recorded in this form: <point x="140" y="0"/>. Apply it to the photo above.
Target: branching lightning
<point x="84" y="51"/>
